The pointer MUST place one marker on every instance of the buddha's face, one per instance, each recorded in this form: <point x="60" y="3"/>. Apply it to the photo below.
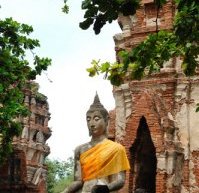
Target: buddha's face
<point x="96" y="123"/>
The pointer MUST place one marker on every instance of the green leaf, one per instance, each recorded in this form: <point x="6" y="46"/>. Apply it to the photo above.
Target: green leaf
<point x="92" y="71"/>
<point x="86" y="23"/>
<point x="116" y="80"/>
<point x="65" y="9"/>
<point x="105" y="66"/>
<point x="90" y="13"/>
<point x="86" y="4"/>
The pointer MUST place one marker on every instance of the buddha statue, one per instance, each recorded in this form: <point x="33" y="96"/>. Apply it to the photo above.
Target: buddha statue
<point x="100" y="164"/>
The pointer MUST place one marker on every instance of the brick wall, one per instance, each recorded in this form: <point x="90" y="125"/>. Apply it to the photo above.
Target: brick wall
<point x="167" y="100"/>
<point x="24" y="171"/>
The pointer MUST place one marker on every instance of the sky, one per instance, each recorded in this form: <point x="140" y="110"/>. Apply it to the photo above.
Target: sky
<point x="66" y="83"/>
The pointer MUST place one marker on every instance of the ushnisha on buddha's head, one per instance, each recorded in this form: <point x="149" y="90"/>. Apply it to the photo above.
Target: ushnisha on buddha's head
<point x="97" y="117"/>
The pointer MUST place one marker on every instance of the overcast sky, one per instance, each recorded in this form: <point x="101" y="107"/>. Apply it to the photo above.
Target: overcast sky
<point x="71" y="49"/>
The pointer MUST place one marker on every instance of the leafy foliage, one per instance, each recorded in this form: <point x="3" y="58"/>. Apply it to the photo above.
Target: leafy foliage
<point x="99" y="12"/>
<point x="149" y="55"/>
<point x="186" y="30"/>
<point x="65" y="8"/>
<point x="60" y="174"/>
<point x="15" y="72"/>
<point x="146" y="58"/>
<point x="62" y="184"/>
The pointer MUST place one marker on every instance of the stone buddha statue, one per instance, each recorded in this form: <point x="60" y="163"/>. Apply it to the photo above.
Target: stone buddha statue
<point x="100" y="164"/>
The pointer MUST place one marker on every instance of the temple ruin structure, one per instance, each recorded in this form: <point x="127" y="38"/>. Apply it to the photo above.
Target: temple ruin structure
<point x="155" y="118"/>
<point x="25" y="171"/>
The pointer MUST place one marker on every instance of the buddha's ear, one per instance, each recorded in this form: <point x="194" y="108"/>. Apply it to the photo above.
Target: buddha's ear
<point x="107" y="124"/>
<point x="107" y="120"/>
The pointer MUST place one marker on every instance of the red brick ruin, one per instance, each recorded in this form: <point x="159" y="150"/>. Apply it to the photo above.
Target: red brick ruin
<point x="155" y="118"/>
<point x="25" y="172"/>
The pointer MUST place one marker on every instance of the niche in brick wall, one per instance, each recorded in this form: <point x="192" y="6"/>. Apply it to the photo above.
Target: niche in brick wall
<point x="143" y="159"/>
<point x="14" y="169"/>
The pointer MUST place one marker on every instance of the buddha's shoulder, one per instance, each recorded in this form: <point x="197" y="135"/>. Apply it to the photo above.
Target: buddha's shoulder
<point x="116" y="145"/>
<point x="82" y="148"/>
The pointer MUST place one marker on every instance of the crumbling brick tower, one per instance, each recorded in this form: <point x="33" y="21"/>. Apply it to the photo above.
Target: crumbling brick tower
<point x="155" y="118"/>
<point x="25" y="172"/>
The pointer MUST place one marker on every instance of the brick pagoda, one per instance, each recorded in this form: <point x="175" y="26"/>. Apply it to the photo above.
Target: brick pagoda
<point x="155" y="118"/>
<point x="25" y="171"/>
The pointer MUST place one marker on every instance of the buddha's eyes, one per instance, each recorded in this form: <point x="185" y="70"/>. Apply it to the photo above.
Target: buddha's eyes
<point x="96" y="118"/>
<point x="88" y="119"/>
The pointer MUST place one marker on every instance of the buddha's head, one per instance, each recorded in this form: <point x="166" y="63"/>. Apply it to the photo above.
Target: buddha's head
<point x="97" y="118"/>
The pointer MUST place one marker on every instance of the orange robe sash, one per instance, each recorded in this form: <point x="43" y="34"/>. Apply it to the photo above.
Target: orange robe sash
<point x="103" y="159"/>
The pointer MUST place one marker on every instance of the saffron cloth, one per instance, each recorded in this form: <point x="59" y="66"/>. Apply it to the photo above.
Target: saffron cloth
<point x="103" y="159"/>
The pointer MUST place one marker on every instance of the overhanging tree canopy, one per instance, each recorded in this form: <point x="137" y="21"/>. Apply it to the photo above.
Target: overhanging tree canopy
<point x="15" y="72"/>
<point x="182" y="41"/>
<point x="149" y="55"/>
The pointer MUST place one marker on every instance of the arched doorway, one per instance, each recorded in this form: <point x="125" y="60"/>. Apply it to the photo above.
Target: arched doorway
<point x="143" y="160"/>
